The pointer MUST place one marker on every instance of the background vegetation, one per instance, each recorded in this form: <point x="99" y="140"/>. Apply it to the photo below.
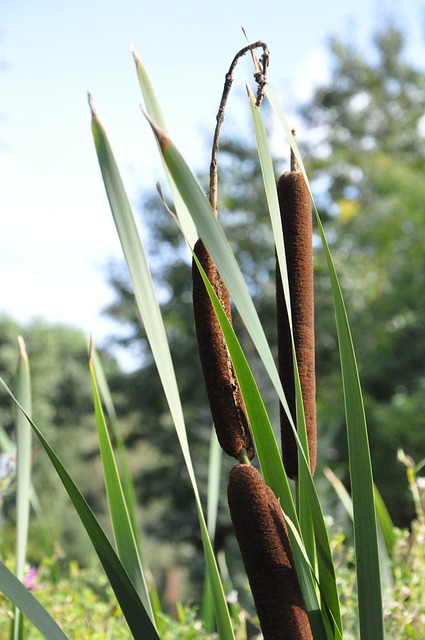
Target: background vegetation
<point x="365" y="154"/>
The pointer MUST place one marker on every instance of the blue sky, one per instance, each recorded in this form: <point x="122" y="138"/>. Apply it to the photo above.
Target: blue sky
<point x="56" y="229"/>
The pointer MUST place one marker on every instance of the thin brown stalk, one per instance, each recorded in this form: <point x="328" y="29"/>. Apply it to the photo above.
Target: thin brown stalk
<point x="261" y="79"/>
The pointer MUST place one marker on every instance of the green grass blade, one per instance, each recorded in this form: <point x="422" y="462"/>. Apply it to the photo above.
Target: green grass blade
<point x="8" y="446"/>
<point x="214" y="477"/>
<point x="127" y="481"/>
<point x="123" y="531"/>
<point x="385" y="522"/>
<point x="23" y="469"/>
<point x="213" y="497"/>
<point x="23" y="455"/>
<point x="15" y="591"/>
<point x="218" y="246"/>
<point x="269" y="180"/>
<point x="385" y="526"/>
<point x="365" y="527"/>
<point x="128" y="598"/>
<point x="152" y="320"/>
<point x="154" y="110"/>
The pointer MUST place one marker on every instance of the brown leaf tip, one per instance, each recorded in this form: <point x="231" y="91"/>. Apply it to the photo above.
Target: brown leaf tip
<point x="91" y="104"/>
<point x="163" y="140"/>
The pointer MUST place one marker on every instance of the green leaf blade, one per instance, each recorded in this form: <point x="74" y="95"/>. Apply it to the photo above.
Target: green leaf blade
<point x="23" y="470"/>
<point x="29" y="605"/>
<point x="123" y="530"/>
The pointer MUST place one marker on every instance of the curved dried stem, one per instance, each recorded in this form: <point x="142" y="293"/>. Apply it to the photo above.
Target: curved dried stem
<point x="261" y="79"/>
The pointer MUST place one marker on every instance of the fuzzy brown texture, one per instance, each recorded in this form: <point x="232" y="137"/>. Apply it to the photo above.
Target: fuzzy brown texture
<point x="226" y="402"/>
<point x="266" y="552"/>
<point x="296" y="216"/>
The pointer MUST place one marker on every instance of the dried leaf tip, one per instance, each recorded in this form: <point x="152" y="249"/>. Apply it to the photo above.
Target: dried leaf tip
<point x="163" y="140"/>
<point x="294" y="161"/>
<point x="167" y="208"/>
<point x="90" y="350"/>
<point x="91" y="105"/>
<point x="254" y="57"/>
<point x="22" y="350"/>
<point x="136" y="56"/>
<point x="250" y="93"/>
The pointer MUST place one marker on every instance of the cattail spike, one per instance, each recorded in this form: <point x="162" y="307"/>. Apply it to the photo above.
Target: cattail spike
<point x="296" y="216"/>
<point x="266" y="552"/>
<point x="224" y="395"/>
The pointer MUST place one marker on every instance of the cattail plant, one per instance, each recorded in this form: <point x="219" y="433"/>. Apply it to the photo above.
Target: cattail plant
<point x="281" y="600"/>
<point x="266" y="552"/>
<point x="296" y="217"/>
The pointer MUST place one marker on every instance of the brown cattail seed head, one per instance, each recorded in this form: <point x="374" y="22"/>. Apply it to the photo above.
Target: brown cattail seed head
<point x="226" y="402"/>
<point x="296" y="216"/>
<point x="266" y="552"/>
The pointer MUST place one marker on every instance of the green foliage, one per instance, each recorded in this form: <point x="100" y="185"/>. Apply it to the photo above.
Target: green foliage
<point x="404" y="603"/>
<point x="83" y="598"/>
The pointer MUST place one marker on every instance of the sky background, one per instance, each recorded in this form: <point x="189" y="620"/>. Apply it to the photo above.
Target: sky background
<point x="57" y="233"/>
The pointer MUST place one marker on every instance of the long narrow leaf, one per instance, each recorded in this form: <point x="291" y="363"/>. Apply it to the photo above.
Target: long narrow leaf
<point x="365" y="528"/>
<point x="213" y="496"/>
<point x="127" y="482"/>
<point x="154" y="110"/>
<point x="218" y="246"/>
<point x="152" y="320"/>
<point x="128" y="598"/>
<point x="9" y="447"/>
<point x="29" y="605"/>
<point x="23" y="465"/>
<point x="123" y="531"/>
<point x="310" y="514"/>
<point x="269" y="180"/>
